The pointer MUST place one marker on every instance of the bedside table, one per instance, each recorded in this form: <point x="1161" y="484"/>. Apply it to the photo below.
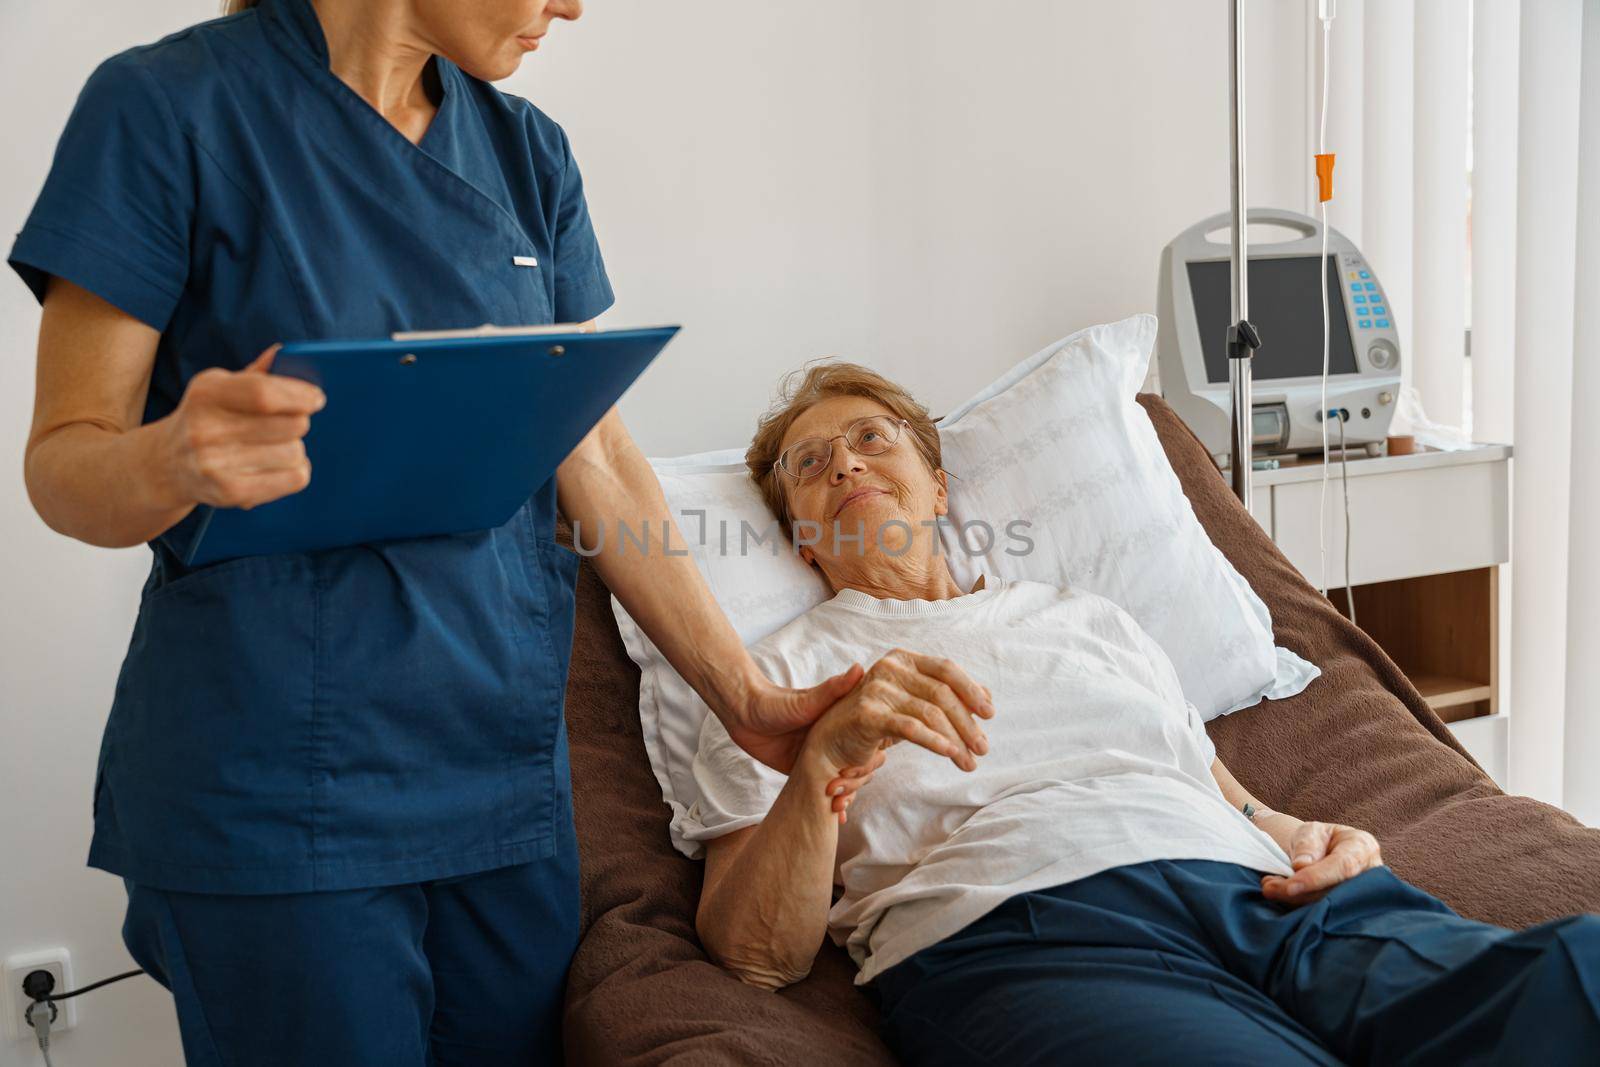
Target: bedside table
<point x="1428" y="533"/>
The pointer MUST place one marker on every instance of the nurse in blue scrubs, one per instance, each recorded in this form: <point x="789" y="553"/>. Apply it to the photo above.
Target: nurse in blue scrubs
<point x="335" y="784"/>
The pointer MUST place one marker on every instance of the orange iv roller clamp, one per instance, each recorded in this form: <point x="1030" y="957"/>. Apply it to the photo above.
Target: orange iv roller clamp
<point x="1325" y="176"/>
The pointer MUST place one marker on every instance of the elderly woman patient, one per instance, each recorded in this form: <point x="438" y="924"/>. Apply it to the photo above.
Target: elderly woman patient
<point x="1072" y="875"/>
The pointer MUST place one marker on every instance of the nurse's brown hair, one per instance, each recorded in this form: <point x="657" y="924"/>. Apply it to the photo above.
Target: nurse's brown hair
<point x="233" y="7"/>
<point x="809" y="385"/>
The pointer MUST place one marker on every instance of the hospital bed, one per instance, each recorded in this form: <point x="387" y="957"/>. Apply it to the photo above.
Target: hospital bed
<point x="1359" y="746"/>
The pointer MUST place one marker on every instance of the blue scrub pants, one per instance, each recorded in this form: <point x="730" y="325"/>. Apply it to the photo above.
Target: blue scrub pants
<point x="1185" y="962"/>
<point x="467" y="970"/>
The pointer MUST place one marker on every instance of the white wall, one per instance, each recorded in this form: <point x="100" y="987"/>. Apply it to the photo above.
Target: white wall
<point x="937" y="189"/>
<point x="906" y="183"/>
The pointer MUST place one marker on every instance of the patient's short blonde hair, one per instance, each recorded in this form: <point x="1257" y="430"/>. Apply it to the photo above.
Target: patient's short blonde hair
<point x="810" y="385"/>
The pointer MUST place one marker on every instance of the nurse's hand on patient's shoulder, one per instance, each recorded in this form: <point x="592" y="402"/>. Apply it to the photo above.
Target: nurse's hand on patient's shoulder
<point x="236" y="437"/>
<point x="1322" y="855"/>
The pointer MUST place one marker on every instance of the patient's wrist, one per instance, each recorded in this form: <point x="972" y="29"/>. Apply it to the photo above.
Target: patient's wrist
<point x="1278" y="826"/>
<point x="813" y="767"/>
<point x="808" y="782"/>
<point x="813" y="770"/>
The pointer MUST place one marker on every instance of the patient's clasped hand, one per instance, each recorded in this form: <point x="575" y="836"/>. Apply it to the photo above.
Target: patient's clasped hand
<point x="1080" y="829"/>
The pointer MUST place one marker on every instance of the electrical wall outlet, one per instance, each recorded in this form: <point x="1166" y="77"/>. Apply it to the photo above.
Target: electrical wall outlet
<point x="58" y="961"/>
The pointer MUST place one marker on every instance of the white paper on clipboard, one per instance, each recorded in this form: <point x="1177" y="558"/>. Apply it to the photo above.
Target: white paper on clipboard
<point x="491" y="330"/>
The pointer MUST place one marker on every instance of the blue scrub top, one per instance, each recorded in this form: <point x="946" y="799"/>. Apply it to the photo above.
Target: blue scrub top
<point x="365" y="716"/>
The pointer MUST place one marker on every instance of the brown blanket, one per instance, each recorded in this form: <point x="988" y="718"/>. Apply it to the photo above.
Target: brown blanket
<point x="1359" y="746"/>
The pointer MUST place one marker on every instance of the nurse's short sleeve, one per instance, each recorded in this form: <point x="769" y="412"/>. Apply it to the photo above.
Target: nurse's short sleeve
<point x="734" y="789"/>
<point x="115" y="212"/>
<point x="582" y="289"/>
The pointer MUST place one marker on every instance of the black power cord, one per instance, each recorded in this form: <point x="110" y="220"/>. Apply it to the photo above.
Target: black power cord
<point x="37" y="986"/>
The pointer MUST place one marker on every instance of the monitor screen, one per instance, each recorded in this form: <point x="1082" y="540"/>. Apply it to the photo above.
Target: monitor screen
<point x="1285" y="306"/>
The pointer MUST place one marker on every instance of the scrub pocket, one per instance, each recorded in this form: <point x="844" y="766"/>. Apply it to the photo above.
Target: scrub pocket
<point x="215" y="690"/>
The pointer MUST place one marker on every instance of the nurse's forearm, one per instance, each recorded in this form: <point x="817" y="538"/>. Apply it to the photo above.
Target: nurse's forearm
<point x="607" y="482"/>
<point x="101" y="485"/>
<point x="93" y="472"/>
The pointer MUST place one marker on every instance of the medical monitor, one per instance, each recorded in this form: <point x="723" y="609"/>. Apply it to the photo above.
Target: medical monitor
<point x="1285" y="305"/>
<point x="1195" y="305"/>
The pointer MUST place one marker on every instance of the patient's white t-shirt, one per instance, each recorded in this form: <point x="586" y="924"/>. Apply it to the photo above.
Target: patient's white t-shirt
<point x="1095" y="761"/>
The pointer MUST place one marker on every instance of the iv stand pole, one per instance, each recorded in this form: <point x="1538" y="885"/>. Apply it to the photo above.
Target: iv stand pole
<point x="1243" y="339"/>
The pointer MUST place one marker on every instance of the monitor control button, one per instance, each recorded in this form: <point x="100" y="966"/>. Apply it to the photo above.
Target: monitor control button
<point x="1382" y="355"/>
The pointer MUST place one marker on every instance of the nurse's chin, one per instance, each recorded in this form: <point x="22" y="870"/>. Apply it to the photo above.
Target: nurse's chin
<point x="494" y="68"/>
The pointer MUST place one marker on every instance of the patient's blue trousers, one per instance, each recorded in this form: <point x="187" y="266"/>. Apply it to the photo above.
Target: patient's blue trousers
<point x="466" y="970"/>
<point x="1185" y="962"/>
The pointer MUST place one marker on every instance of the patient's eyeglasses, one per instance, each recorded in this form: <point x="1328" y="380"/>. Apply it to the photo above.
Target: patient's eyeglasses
<point x="868" y="436"/>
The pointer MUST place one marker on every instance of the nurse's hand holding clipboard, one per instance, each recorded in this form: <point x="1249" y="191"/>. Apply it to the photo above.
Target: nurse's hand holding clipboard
<point x="237" y="438"/>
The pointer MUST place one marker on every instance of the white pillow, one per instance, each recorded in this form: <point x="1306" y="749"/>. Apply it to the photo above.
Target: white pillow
<point x="1061" y="443"/>
<point x="1062" y="427"/>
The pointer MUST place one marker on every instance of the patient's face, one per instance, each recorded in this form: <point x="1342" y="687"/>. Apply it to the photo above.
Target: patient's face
<point x="861" y="492"/>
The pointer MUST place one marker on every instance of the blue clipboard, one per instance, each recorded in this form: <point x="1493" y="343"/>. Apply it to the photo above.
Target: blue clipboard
<point x="428" y="434"/>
